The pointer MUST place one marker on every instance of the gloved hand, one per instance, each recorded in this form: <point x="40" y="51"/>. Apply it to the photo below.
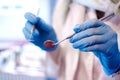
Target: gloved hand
<point x="97" y="37"/>
<point x="41" y="33"/>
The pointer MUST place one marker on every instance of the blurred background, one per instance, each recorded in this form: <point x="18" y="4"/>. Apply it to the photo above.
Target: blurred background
<point x="19" y="59"/>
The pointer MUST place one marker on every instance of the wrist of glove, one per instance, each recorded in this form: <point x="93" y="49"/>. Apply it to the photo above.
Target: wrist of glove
<point x="110" y="63"/>
<point x="41" y="33"/>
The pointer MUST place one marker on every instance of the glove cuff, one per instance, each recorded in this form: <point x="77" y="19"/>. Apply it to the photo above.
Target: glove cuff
<point x="111" y="71"/>
<point x="111" y="64"/>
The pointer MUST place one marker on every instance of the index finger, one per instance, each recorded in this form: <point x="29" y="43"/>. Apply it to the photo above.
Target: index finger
<point x="31" y="18"/>
<point x="92" y="23"/>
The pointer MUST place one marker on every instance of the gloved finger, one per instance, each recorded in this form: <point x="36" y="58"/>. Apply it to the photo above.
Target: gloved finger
<point x="94" y="48"/>
<point x="77" y="28"/>
<point x="88" y="41"/>
<point x="87" y="33"/>
<point x="26" y="33"/>
<point x="34" y="37"/>
<point x="29" y="35"/>
<point x="31" y="17"/>
<point x="101" y="48"/>
<point x="92" y="23"/>
<point x="84" y="25"/>
<point x="28" y="26"/>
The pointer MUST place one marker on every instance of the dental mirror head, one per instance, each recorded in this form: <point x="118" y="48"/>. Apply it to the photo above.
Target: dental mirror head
<point x="49" y="44"/>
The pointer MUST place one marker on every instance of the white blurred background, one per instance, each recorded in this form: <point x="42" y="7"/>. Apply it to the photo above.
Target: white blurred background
<point x="18" y="56"/>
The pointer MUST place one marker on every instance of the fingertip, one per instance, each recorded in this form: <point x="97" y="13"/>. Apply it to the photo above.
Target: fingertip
<point x="30" y="17"/>
<point x="27" y="14"/>
<point x="71" y="40"/>
<point x="74" y="46"/>
<point x="77" y="28"/>
<point x="84" y="50"/>
<point x="85" y="25"/>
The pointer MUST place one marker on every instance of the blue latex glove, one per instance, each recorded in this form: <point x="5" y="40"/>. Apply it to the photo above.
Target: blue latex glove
<point x="41" y="33"/>
<point x="50" y="79"/>
<point x="97" y="37"/>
